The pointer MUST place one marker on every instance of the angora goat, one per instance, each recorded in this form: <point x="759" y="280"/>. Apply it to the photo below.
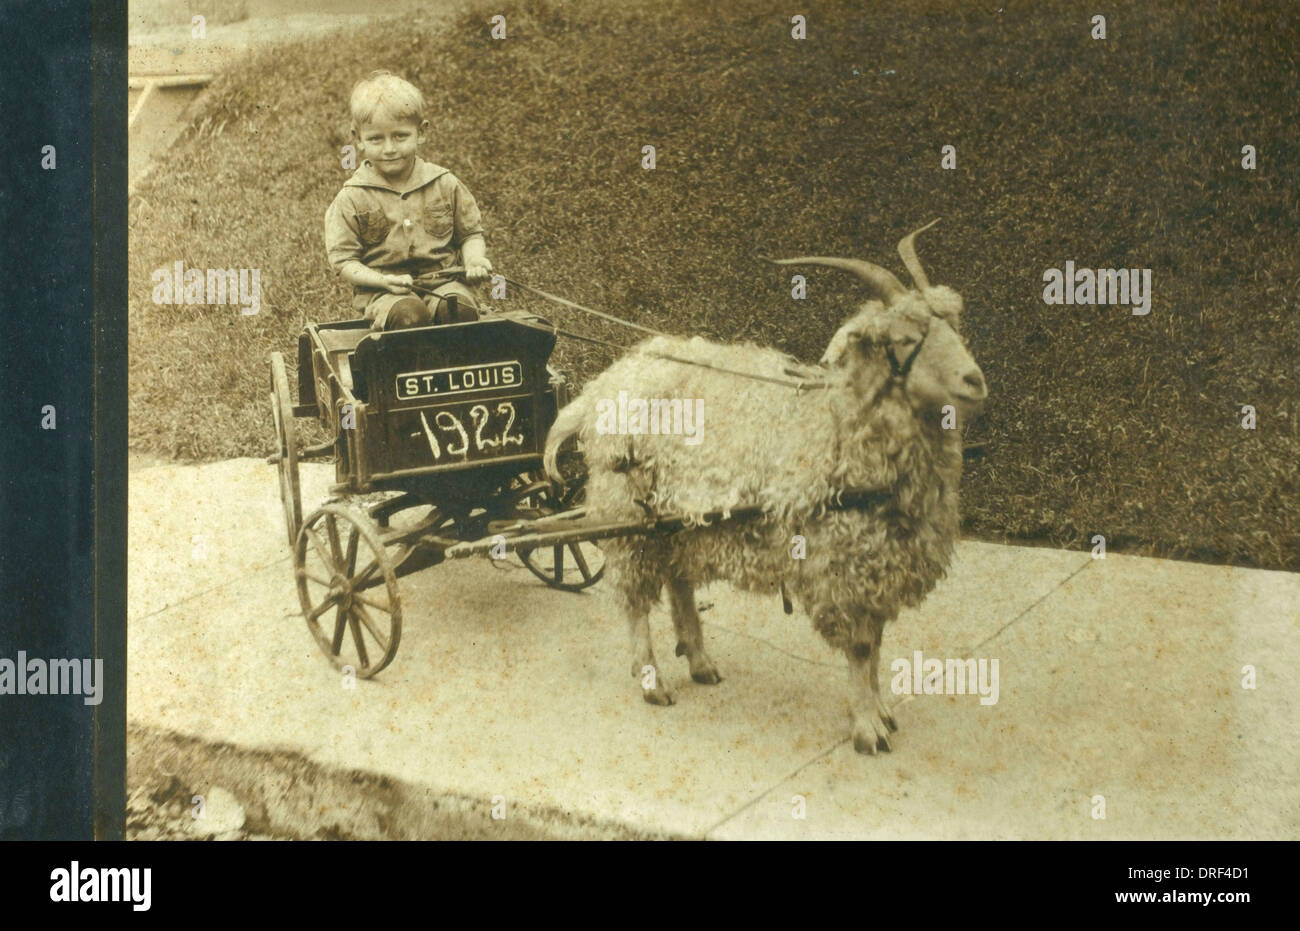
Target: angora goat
<point x="880" y="422"/>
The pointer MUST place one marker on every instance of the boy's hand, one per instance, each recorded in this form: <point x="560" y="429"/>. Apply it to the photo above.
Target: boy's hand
<point x="398" y="284"/>
<point x="477" y="270"/>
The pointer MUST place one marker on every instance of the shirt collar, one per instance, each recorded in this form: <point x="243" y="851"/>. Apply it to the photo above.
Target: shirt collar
<point x="423" y="173"/>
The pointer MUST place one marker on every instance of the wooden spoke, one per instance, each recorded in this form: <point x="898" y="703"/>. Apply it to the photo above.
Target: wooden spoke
<point x="366" y="600"/>
<point x="321" y="608"/>
<point x="353" y="537"/>
<point x="357" y="639"/>
<point x="361" y="578"/>
<point x="364" y="616"/>
<point x="337" y="643"/>
<point x="321" y="549"/>
<point x="576" y="550"/>
<point x="332" y="531"/>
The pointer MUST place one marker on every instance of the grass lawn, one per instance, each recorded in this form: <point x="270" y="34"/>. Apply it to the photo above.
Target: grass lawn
<point x="1117" y="153"/>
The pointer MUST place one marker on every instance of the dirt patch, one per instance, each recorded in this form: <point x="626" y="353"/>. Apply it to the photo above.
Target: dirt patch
<point x="181" y="787"/>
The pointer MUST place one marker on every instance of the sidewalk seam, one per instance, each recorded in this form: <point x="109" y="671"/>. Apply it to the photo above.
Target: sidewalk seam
<point x="1048" y="594"/>
<point x="770" y="645"/>
<point x="207" y="591"/>
<point x="774" y="786"/>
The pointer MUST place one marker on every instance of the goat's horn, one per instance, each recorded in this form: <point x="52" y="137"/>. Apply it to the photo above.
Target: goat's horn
<point x="884" y="281"/>
<point x="907" y="249"/>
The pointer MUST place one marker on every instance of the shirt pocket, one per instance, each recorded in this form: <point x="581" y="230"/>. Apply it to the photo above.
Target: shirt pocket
<point x="372" y="227"/>
<point x="439" y="220"/>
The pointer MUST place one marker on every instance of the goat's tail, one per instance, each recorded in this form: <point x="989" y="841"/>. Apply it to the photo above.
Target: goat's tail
<point x="567" y="424"/>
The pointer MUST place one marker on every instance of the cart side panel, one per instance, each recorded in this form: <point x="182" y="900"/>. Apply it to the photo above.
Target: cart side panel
<point x="306" y="373"/>
<point x="455" y="397"/>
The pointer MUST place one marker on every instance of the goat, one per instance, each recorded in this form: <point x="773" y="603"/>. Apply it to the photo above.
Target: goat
<point x="892" y="375"/>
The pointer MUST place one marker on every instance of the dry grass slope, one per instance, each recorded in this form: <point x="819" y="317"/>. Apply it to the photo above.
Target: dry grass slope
<point x="1117" y="153"/>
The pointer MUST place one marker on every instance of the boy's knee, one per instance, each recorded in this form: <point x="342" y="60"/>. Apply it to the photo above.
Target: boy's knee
<point x="455" y="310"/>
<point x="408" y="312"/>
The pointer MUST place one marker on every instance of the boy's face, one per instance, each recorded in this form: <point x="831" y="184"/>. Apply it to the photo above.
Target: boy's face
<point x="390" y="145"/>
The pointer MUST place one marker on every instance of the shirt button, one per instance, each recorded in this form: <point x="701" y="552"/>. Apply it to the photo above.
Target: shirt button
<point x="407" y="223"/>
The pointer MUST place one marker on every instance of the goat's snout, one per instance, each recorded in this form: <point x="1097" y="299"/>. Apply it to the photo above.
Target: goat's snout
<point x="971" y="390"/>
<point x="974" y="388"/>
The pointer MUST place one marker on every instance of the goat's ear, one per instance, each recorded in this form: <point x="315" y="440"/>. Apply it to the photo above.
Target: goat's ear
<point x="841" y="343"/>
<point x="856" y="331"/>
<point x="945" y="302"/>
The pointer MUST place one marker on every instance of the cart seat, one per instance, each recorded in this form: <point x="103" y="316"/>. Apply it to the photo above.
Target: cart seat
<point x="341" y="340"/>
<point x="340" y="345"/>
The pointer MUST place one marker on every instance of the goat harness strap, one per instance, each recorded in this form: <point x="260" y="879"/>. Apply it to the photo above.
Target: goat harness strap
<point x="787" y="383"/>
<point x="857" y="498"/>
<point x="900" y="371"/>
<point x="847" y="499"/>
<point x="796" y="385"/>
<point x="586" y="310"/>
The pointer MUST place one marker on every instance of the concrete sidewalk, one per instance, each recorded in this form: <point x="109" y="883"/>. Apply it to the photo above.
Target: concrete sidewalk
<point x="1119" y="678"/>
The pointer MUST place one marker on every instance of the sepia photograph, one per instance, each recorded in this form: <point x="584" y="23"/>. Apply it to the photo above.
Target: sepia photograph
<point x="749" y="420"/>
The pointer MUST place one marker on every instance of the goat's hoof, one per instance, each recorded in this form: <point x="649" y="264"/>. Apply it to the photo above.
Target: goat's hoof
<point x="870" y="734"/>
<point x="657" y="696"/>
<point x="709" y="675"/>
<point x="885" y="716"/>
<point x="702" y="669"/>
<point x="865" y="745"/>
<point x="870" y="743"/>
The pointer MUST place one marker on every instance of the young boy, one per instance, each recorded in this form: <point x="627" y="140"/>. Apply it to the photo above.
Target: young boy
<point x="399" y="218"/>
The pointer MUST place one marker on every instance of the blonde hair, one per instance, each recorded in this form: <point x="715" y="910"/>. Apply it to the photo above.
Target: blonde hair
<point x="386" y="93"/>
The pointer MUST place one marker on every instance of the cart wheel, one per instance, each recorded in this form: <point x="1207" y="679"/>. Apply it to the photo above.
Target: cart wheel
<point x="570" y="567"/>
<point x="348" y="589"/>
<point x="286" y="438"/>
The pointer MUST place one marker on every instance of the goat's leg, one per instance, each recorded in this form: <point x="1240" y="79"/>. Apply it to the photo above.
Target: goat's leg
<point x="872" y="721"/>
<point x="638" y="582"/>
<point x="690" y="639"/>
<point x="644" y="668"/>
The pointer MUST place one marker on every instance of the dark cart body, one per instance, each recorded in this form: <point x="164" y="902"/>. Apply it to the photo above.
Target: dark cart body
<point x="436" y="434"/>
<point x="411" y="407"/>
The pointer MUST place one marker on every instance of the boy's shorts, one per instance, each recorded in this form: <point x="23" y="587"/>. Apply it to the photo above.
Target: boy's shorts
<point x="377" y="310"/>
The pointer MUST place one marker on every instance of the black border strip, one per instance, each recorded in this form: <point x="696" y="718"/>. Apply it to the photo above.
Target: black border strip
<point x="982" y="881"/>
<point x="108" y="95"/>
<point x="46" y="464"/>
